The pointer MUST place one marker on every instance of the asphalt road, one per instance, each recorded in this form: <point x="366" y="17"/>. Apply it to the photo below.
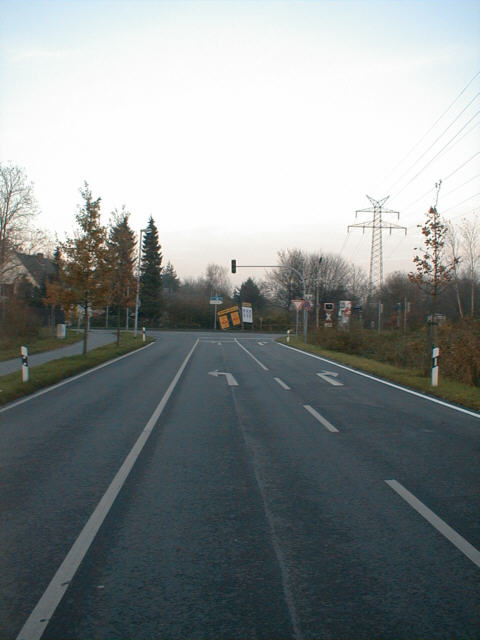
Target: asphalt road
<point x="272" y="502"/>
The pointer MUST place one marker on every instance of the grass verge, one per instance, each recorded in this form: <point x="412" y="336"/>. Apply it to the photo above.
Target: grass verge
<point x="448" y="390"/>
<point x="50" y="373"/>
<point x="37" y="345"/>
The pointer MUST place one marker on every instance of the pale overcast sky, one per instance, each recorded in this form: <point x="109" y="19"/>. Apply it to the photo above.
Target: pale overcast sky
<point x="245" y="127"/>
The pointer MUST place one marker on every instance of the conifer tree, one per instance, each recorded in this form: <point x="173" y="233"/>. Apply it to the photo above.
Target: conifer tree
<point x="151" y="275"/>
<point x="171" y="282"/>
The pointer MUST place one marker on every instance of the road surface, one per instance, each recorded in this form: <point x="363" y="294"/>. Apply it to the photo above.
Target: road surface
<point x="225" y="486"/>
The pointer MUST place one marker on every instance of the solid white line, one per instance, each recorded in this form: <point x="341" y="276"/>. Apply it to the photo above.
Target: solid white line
<point x="282" y="384"/>
<point x="389" y="384"/>
<point x="68" y="380"/>
<point x="45" y="608"/>
<point x="251" y="355"/>
<point x="320" y="418"/>
<point x="455" y="538"/>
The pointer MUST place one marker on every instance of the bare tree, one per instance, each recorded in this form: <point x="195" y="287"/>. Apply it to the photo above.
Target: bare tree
<point x="453" y="251"/>
<point x="470" y="238"/>
<point x="17" y="210"/>
<point x="285" y="284"/>
<point x="217" y="280"/>
<point x="325" y="274"/>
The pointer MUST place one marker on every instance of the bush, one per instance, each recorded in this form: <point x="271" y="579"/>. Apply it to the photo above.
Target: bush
<point x="459" y="347"/>
<point x="18" y="320"/>
<point x="460" y="351"/>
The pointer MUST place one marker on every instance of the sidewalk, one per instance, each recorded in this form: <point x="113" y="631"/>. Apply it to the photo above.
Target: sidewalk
<point x="96" y="338"/>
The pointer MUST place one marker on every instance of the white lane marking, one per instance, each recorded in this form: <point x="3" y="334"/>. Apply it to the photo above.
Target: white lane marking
<point x="251" y="355"/>
<point x="389" y="384"/>
<point x="45" y="608"/>
<point x="68" y="380"/>
<point x="440" y="525"/>
<point x="326" y="375"/>
<point x="228" y="376"/>
<point x="320" y="418"/>
<point x="282" y="384"/>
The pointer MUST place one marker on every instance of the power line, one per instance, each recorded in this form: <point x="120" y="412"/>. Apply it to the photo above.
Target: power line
<point x="437" y="154"/>
<point x="433" y="143"/>
<point x="433" y="125"/>
<point x="462" y="165"/>
<point x="461" y="185"/>
<point x="414" y="202"/>
<point x="460" y="203"/>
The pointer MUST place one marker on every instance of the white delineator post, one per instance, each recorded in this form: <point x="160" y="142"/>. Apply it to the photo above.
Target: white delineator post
<point x="288" y="335"/>
<point x="435" y="354"/>
<point x="25" y="370"/>
<point x="144" y="334"/>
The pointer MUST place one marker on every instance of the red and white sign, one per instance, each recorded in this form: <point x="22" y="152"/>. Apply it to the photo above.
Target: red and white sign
<point x="345" y="307"/>
<point x="298" y="304"/>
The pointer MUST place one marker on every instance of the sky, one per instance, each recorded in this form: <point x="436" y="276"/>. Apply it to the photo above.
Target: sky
<point x="244" y="127"/>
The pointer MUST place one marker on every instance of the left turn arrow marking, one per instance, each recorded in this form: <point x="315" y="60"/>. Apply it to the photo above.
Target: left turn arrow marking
<point x="228" y="376"/>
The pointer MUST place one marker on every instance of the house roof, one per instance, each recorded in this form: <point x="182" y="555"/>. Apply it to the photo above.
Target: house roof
<point x="37" y="266"/>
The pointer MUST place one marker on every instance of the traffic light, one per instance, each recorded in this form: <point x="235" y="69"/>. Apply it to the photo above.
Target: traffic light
<point x="234" y="266"/>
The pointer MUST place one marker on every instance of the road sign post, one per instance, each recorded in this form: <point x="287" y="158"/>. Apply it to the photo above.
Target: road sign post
<point x="215" y="300"/>
<point x="298" y="304"/>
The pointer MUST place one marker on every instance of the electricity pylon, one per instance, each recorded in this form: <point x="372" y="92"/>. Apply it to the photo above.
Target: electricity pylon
<point x="377" y="225"/>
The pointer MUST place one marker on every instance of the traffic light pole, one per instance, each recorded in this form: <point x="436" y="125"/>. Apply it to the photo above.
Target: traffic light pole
<point x="236" y="266"/>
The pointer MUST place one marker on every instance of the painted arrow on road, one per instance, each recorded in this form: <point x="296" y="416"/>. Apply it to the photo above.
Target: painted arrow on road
<point x="326" y="375"/>
<point x="230" y="379"/>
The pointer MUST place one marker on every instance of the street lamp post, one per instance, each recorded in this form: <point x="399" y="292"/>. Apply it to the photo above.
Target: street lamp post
<point x="137" y="301"/>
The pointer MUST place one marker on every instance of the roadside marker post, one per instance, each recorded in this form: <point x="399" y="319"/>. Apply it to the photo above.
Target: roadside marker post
<point x="435" y="354"/>
<point x="144" y="334"/>
<point x="25" y="370"/>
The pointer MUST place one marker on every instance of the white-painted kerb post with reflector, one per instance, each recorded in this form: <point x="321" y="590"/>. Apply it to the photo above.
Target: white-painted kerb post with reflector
<point x="25" y="370"/>
<point x="435" y="354"/>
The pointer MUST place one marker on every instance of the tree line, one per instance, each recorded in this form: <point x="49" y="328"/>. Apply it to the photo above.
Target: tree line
<point x="95" y="274"/>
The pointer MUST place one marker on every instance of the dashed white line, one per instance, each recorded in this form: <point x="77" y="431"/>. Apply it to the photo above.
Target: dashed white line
<point x="282" y="384"/>
<point x="440" y="525"/>
<point x="419" y="394"/>
<point x="320" y="418"/>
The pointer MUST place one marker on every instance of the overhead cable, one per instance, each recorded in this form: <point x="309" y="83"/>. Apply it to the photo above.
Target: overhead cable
<point x="460" y="203"/>
<point x="436" y="155"/>
<point x="433" y="144"/>
<point x="433" y="125"/>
